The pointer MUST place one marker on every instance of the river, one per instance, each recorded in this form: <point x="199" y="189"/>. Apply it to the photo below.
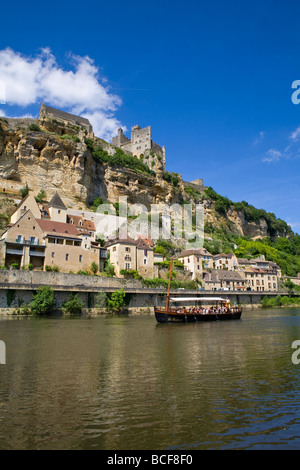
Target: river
<point x="128" y="383"/>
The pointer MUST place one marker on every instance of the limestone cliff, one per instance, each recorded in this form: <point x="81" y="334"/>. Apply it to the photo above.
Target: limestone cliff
<point x="54" y="157"/>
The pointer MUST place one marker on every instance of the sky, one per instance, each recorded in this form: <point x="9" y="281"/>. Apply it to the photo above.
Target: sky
<point x="212" y="79"/>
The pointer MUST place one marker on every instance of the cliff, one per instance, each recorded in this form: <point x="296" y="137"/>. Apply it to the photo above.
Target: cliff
<point x="55" y="157"/>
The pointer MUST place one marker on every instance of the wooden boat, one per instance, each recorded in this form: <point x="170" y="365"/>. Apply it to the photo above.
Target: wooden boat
<point x="204" y="309"/>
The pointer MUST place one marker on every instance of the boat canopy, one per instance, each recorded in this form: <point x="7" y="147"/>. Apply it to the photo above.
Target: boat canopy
<point x="189" y="299"/>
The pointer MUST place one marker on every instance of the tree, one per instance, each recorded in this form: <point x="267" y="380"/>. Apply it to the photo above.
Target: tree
<point x="43" y="301"/>
<point x="117" y="301"/>
<point x="94" y="268"/>
<point x="109" y="269"/>
<point x="74" y="305"/>
<point x="24" y="191"/>
<point x="101" y="300"/>
<point x="289" y="285"/>
<point x="41" y="196"/>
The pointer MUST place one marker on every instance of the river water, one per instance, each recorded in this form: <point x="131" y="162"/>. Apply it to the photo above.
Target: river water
<point x="128" y="383"/>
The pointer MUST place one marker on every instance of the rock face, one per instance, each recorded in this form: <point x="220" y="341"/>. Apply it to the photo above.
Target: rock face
<point x="56" y="158"/>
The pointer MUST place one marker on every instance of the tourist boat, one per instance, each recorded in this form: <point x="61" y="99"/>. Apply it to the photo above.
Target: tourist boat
<point x="204" y="309"/>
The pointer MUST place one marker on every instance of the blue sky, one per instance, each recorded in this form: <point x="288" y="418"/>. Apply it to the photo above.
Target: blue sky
<point x="214" y="81"/>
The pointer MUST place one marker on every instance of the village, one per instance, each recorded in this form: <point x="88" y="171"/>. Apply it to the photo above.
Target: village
<point x="51" y="237"/>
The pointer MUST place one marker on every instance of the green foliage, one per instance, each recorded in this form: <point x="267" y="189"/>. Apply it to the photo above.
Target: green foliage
<point x="109" y="269"/>
<point x="10" y="297"/>
<point x="119" y="158"/>
<point x="41" y="196"/>
<point x="34" y="127"/>
<point x="130" y="274"/>
<point x="4" y="221"/>
<point x="74" y="138"/>
<point x="288" y="260"/>
<point x="24" y="191"/>
<point x="43" y="301"/>
<point x="74" y="305"/>
<point x="194" y="194"/>
<point x="30" y="267"/>
<point x="163" y="283"/>
<point x="166" y="247"/>
<point x="171" y="178"/>
<point x="15" y="265"/>
<point x="116" y="302"/>
<point x="54" y="269"/>
<point x="278" y="301"/>
<point x="101" y="300"/>
<point x="94" y="268"/>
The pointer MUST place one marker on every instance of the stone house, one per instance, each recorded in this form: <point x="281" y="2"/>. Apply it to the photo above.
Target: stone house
<point x="42" y="243"/>
<point x="129" y="254"/>
<point x="220" y="279"/>
<point x="196" y="261"/>
<point x="226" y="261"/>
<point x="261" y="279"/>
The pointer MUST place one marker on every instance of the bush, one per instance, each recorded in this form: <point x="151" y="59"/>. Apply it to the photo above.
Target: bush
<point x="101" y="300"/>
<point x="132" y="274"/>
<point x="94" y="268"/>
<point x="43" y="301"/>
<point x="15" y="265"/>
<point x="24" y="191"/>
<point x="74" y="305"/>
<point x="74" y="138"/>
<point x="30" y="267"/>
<point x="41" y="196"/>
<point x="34" y="127"/>
<point x="116" y="302"/>
<point x="119" y="158"/>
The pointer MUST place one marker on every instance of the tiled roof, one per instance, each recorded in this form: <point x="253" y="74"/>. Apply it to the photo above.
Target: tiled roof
<point x="85" y="223"/>
<point x="59" y="228"/>
<point x="200" y="252"/>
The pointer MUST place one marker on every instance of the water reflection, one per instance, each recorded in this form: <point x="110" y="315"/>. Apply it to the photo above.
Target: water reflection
<point x="128" y="383"/>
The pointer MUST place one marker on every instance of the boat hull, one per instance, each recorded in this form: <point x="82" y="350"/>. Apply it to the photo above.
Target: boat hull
<point x="168" y="317"/>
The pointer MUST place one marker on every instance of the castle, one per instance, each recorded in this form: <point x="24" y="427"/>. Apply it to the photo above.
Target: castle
<point x="141" y="145"/>
<point x="66" y="118"/>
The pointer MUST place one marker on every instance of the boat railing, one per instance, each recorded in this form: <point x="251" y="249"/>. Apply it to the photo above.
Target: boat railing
<point x="199" y="310"/>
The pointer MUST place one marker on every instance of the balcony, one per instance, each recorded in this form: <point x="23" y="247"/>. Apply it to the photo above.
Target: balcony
<point x="23" y="241"/>
<point x="14" y="251"/>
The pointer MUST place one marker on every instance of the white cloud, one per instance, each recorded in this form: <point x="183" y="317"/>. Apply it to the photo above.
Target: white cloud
<point x="79" y="90"/>
<point x="273" y="156"/>
<point x="294" y="135"/>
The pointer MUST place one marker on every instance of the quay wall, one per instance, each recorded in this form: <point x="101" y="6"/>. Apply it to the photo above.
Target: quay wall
<point x="17" y="288"/>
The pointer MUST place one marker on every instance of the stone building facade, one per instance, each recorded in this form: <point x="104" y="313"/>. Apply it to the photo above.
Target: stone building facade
<point x="43" y="235"/>
<point x="141" y="145"/>
<point x="128" y="254"/>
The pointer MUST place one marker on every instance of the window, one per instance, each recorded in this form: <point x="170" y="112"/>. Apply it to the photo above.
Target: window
<point x="58" y="211"/>
<point x="145" y="253"/>
<point x="127" y="249"/>
<point x="33" y="228"/>
<point x="127" y="266"/>
<point x="114" y="248"/>
<point x="67" y="256"/>
<point x="80" y="258"/>
<point x="145" y="261"/>
<point x="53" y="254"/>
